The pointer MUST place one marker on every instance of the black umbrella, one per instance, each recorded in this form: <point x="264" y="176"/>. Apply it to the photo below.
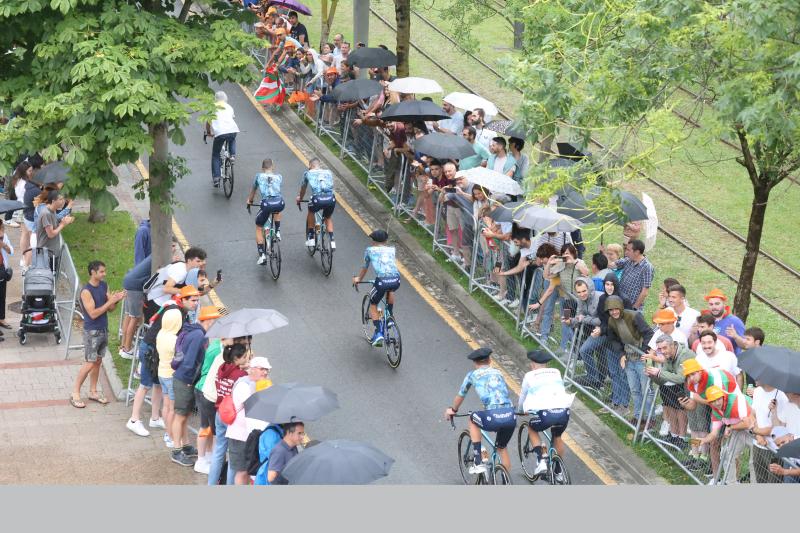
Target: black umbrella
<point x="353" y="90"/>
<point x="290" y="402"/>
<point x="790" y="449"/>
<point x="371" y="58"/>
<point x="444" y="146"/>
<point x="53" y="173"/>
<point x="571" y="202"/>
<point x="632" y="207"/>
<point x="509" y="128"/>
<point x="338" y="462"/>
<point x="8" y="206"/>
<point x="413" y="110"/>
<point x="568" y="151"/>
<point x="776" y="366"/>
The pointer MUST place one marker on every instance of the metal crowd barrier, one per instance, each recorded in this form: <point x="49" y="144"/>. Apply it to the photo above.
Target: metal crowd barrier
<point x="67" y="290"/>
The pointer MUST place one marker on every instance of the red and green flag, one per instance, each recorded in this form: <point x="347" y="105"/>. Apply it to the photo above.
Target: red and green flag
<point x="271" y="90"/>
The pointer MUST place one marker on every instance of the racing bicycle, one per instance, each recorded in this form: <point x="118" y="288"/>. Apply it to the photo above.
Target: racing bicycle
<point x="496" y="473"/>
<point x="528" y="459"/>
<point x="226" y="166"/>
<point x="392" y="342"/>
<point x="271" y="243"/>
<point x="322" y="242"/>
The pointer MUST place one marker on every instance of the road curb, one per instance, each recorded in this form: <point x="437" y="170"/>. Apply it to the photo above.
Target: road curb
<point x="600" y="440"/>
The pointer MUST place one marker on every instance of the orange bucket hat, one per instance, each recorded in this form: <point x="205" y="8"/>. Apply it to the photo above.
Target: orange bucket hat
<point x="665" y="316"/>
<point x="690" y="366"/>
<point x="188" y="290"/>
<point x="716" y="293"/>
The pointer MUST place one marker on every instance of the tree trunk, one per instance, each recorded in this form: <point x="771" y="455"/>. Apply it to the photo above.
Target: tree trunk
<point x="326" y="21"/>
<point x="96" y="215"/>
<point x="758" y="211"/>
<point x="519" y="29"/>
<point x="402" y="14"/>
<point x="160" y="218"/>
<point x="187" y="5"/>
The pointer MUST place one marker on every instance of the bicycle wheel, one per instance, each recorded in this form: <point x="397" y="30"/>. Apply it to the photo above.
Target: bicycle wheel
<point x="274" y="256"/>
<point x="227" y="179"/>
<point x="527" y="457"/>
<point x="465" y="459"/>
<point x="557" y="464"/>
<point x="366" y="323"/>
<point x="326" y="254"/>
<point x="500" y="475"/>
<point x="393" y="342"/>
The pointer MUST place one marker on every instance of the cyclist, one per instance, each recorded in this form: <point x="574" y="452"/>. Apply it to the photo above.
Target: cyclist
<point x="322" y="198"/>
<point x="222" y="128"/>
<point x="268" y="183"/>
<point x="387" y="279"/>
<point x="544" y="397"/>
<point x="498" y="414"/>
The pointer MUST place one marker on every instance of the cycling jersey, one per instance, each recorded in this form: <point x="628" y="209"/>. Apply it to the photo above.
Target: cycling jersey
<point x="320" y="180"/>
<point x="489" y="385"/>
<point x="543" y="388"/>
<point x="382" y="260"/>
<point x="268" y="184"/>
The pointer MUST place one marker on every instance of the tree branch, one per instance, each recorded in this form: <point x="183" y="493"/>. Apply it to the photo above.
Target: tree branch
<point x="747" y="159"/>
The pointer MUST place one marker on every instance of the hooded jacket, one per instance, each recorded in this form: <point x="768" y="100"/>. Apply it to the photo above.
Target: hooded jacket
<point x="193" y="346"/>
<point x="633" y="321"/>
<point x="171" y="324"/>
<point x="604" y="295"/>
<point x="590" y="308"/>
<point x="671" y="370"/>
<point x="227" y="375"/>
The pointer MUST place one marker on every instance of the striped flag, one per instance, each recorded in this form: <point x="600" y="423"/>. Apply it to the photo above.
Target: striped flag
<point x="271" y="90"/>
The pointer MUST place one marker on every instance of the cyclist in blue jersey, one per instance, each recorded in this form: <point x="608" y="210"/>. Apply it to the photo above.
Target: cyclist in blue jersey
<point x="498" y="416"/>
<point x="322" y="198"/>
<point x="268" y="183"/>
<point x="387" y="279"/>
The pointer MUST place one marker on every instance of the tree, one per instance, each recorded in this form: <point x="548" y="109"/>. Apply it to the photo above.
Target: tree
<point x="402" y="14"/>
<point x="326" y="20"/>
<point x="594" y="65"/>
<point x="101" y="82"/>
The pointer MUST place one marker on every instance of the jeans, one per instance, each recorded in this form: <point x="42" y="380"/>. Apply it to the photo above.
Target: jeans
<point x="620" y="392"/>
<point x="218" y="458"/>
<point x="547" y="309"/>
<point x="216" y="148"/>
<point x="639" y="385"/>
<point x="587" y="351"/>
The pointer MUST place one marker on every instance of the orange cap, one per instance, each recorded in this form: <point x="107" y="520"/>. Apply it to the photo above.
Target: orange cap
<point x="280" y="31"/>
<point x="714" y="393"/>
<point x="208" y="312"/>
<point x="665" y="316"/>
<point x="690" y="366"/>
<point x="331" y="70"/>
<point x="272" y="9"/>
<point x="289" y="44"/>
<point x="189" y="290"/>
<point x="716" y="293"/>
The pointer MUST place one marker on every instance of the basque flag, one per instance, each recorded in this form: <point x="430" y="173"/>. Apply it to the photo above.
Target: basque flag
<point x="271" y="90"/>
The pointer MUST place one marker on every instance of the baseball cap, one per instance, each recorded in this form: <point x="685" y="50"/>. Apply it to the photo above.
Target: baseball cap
<point x="260" y="362"/>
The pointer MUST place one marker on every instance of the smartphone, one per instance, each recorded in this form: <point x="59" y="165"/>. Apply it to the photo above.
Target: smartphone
<point x="683" y="393"/>
<point x="566" y="313"/>
<point x="430" y="182"/>
<point x="219" y="275"/>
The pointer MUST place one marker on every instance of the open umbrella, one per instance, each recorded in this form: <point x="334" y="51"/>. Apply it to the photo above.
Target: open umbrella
<point x="413" y="110"/>
<point x="506" y="212"/>
<point x="651" y="224"/>
<point x="294" y="5"/>
<point x="353" y="90"/>
<point x="444" y="146"/>
<point x="491" y="180"/>
<point x="790" y="450"/>
<point x="290" y="402"/>
<point x="246" y="322"/>
<point x="509" y="128"/>
<point x="371" y="58"/>
<point x="413" y="85"/>
<point x="338" y="462"/>
<point x="572" y="203"/>
<point x="776" y="366"/>
<point x="8" y="206"/>
<point x="57" y="172"/>
<point x="471" y="101"/>
<point x="543" y="219"/>
<point x="632" y="208"/>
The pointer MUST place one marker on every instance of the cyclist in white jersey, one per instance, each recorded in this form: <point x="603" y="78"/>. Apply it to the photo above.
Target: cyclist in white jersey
<point x="322" y="199"/>
<point x="387" y="279"/>
<point x="268" y="183"/>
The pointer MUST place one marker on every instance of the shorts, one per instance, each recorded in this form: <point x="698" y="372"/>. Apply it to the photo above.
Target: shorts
<point x="503" y="421"/>
<point x="323" y="201"/>
<point x="183" y="396"/>
<point x="146" y="379"/>
<point x="453" y="218"/>
<point x="30" y="225"/>
<point x="95" y="342"/>
<point x="554" y="419"/>
<point x="167" y="387"/>
<point x="236" y="457"/>
<point x="206" y="410"/>
<point x="670" y="395"/>
<point x="381" y="287"/>
<point x="269" y="205"/>
<point x="134" y="304"/>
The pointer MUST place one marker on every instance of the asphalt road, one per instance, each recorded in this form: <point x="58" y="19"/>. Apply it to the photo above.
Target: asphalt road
<point x="399" y="411"/>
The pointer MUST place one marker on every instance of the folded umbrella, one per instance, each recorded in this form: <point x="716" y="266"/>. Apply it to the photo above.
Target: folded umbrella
<point x="471" y="102"/>
<point x="542" y="219"/>
<point x="57" y="172"/>
<point x="294" y="5"/>
<point x="9" y="206"/>
<point x="353" y="90"/>
<point x="651" y="224"/>
<point x="290" y="402"/>
<point x="371" y="58"/>
<point x="413" y="85"/>
<point x="491" y="180"/>
<point x="246" y="322"/>
<point x="776" y="366"/>
<point x="338" y="462"/>
<point x="413" y="110"/>
<point x="444" y="146"/>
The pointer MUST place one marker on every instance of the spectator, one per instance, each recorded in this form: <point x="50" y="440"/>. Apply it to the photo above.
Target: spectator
<point x="171" y="278"/>
<point x="613" y="253"/>
<point x="237" y="433"/>
<point x="284" y="451"/>
<point x="31" y="191"/>
<point x="522" y="161"/>
<point x="520" y="261"/>
<point x="767" y="402"/>
<point x="6" y="251"/>
<point x="734" y="412"/>
<point x="676" y="300"/>
<point x="637" y="274"/>
<point x="454" y="124"/>
<point x="587" y="317"/>
<point x="141" y="242"/>
<point x="629" y="336"/>
<point x="453" y="212"/>
<point x="557" y="238"/>
<point x="19" y="182"/>
<point x="344" y="53"/>
<point x="338" y="39"/>
<point x="482" y="154"/>
<point x="477" y="119"/>
<point x="96" y="302"/>
<point x="713" y="357"/>
<point x="791" y="417"/>
<point x="631" y="231"/>
<point x="665" y="320"/>
<point x="671" y="355"/>
<point x="723" y="318"/>
<point x="499" y="160"/>
<point x="191" y="344"/>
<point x="133" y="283"/>
<point x="663" y="293"/>
<point x="600" y="270"/>
<point x="298" y="31"/>
<point x="705" y="322"/>
<point x="610" y="288"/>
<point x="48" y="229"/>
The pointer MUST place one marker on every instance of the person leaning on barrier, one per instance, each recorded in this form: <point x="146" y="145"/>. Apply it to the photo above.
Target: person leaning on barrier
<point x="733" y="411"/>
<point x="767" y="403"/>
<point x="587" y="316"/>
<point x="790" y="414"/>
<point x="670" y="354"/>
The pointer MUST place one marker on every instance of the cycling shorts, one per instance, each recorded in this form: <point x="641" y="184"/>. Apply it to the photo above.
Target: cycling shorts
<point x="381" y="287"/>
<point x="502" y="421"/>
<point x="325" y="201"/>
<point x="269" y="205"/>
<point x="554" y="419"/>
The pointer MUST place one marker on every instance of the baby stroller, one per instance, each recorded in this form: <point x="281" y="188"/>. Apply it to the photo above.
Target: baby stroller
<point x="39" y="313"/>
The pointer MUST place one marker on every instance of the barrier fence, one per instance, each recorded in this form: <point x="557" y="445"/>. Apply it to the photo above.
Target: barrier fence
<point x="67" y="284"/>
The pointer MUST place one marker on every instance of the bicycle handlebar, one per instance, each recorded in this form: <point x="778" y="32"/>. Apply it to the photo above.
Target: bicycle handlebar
<point x="355" y="285"/>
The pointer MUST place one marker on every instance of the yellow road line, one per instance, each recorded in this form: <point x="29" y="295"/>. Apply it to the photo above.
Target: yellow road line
<point x="451" y="321"/>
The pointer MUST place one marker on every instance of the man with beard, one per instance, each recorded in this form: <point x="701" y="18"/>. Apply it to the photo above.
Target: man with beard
<point x="723" y="317"/>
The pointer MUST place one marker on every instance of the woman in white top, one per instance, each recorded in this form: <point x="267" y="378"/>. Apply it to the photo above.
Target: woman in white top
<point x="6" y="251"/>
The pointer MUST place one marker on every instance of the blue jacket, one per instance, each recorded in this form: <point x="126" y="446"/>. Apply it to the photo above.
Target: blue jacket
<point x="136" y="277"/>
<point x="266" y="442"/>
<point x="141" y="243"/>
<point x="194" y="351"/>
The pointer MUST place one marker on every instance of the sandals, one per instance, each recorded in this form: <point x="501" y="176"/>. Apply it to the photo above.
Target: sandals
<point x="76" y="403"/>
<point x="99" y="398"/>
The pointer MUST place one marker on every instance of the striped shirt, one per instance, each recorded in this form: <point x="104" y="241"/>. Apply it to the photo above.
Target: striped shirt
<point x="635" y="277"/>
<point x="735" y="407"/>
<point x="715" y="376"/>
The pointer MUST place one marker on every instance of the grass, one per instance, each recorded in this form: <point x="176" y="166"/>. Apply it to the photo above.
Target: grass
<point x="112" y="243"/>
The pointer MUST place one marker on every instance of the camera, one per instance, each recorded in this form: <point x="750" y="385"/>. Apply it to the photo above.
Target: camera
<point x="219" y="275"/>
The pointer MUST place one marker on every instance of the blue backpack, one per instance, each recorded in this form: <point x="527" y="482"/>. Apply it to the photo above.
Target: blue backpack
<point x="258" y="448"/>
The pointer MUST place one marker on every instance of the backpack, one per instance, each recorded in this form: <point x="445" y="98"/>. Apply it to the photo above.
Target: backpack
<point x="177" y="360"/>
<point x="253" y="448"/>
<point x="153" y="281"/>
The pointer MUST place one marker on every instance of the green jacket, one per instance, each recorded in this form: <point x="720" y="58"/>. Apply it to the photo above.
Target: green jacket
<point x="671" y="371"/>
